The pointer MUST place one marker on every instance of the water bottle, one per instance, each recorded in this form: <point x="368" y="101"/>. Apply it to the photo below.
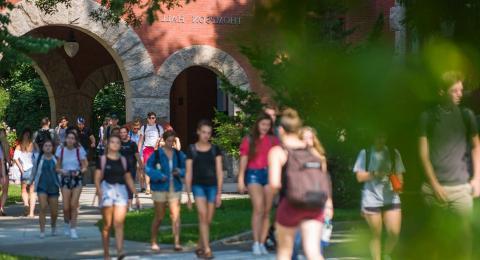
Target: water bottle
<point x="326" y="232"/>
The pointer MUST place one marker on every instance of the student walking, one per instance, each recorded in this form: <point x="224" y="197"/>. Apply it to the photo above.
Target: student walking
<point x="61" y="129"/>
<point x="309" y="136"/>
<point x="204" y="177"/>
<point x="166" y="168"/>
<point x="150" y="138"/>
<point x="448" y="139"/>
<point x="47" y="186"/>
<point x="375" y="167"/>
<point x="4" y="178"/>
<point x="134" y="133"/>
<point x="43" y="134"/>
<point x="72" y="164"/>
<point x="177" y="145"/>
<point x="112" y="124"/>
<point x="129" y="150"/>
<point x="101" y="136"/>
<point x="23" y="157"/>
<point x="253" y="176"/>
<point x="85" y="135"/>
<point x="111" y="180"/>
<point x="296" y="171"/>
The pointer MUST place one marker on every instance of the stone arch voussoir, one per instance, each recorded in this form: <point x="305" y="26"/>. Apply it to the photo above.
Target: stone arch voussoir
<point x="120" y="41"/>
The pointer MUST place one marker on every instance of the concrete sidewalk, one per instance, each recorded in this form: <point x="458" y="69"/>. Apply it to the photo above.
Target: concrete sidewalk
<point x="20" y="236"/>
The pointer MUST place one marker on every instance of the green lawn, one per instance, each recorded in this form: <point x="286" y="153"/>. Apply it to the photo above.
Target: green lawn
<point x="5" y="256"/>
<point x="231" y="219"/>
<point x="14" y="194"/>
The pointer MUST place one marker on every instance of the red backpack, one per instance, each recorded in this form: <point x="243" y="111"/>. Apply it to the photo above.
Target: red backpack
<point x="305" y="184"/>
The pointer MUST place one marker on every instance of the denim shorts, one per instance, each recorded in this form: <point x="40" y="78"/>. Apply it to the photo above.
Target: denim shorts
<point x="113" y="195"/>
<point x="26" y="176"/>
<point x="49" y="194"/>
<point x="257" y="176"/>
<point x="205" y="191"/>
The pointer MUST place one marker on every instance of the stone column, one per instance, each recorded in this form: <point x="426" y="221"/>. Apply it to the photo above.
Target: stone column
<point x="397" y="17"/>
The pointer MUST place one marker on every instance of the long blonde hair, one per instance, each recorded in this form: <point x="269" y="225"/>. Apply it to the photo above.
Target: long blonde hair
<point x="317" y="145"/>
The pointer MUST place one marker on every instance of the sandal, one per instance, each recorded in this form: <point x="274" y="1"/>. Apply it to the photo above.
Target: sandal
<point x="208" y="255"/>
<point x="199" y="252"/>
<point x="121" y="256"/>
<point x="178" y="248"/>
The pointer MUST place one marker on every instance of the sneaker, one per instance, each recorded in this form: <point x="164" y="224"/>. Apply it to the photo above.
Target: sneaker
<point x="256" y="249"/>
<point x="42" y="235"/>
<point x="54" y="231"/>
<point x="73" y="234"/>
<point x="263" y="249"/>
<point x="66" y="230"/>
<point x="130" y="209"/>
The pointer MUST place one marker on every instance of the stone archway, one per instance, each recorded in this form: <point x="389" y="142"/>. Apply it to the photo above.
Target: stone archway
<point x="220" y="62"/>
<point x="123" y="44"/>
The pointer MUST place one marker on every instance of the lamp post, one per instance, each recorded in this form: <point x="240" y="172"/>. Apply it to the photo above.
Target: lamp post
<point x="71" y="46"/>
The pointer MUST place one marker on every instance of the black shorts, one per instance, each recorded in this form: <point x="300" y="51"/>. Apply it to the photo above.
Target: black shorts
<point x="71" y="182"/>
<point x="381" y="209"/>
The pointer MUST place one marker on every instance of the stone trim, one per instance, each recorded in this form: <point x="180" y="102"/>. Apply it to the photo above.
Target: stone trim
<point x="120" y="41"/>
<point x="207" y="56"/>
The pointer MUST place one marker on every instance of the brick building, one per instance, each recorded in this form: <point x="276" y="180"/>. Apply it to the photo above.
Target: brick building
<point x="170" y="67"/>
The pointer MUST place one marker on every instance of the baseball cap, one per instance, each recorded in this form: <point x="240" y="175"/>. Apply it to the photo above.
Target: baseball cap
<point x="114" y="116"/>
<point x="81" y="120"/>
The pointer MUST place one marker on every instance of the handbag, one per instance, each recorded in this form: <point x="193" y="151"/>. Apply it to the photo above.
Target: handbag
<point x="396" y="183"/>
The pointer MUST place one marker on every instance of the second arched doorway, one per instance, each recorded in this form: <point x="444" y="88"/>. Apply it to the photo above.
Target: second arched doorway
<point x="196" y="94"/>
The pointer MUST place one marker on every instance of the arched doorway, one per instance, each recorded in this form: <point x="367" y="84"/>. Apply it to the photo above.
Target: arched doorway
<point x="195" y="95"/>
<point x="73" y="82"/>
<point x="126" y="49"/>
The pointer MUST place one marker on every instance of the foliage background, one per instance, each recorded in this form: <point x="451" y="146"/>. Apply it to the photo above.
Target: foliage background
<point x="24" y="99"/>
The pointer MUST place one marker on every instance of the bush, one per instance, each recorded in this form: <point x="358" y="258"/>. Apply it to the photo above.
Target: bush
<point x="230" y="130"/>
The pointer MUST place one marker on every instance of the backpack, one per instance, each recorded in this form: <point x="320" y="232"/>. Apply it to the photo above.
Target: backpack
<point x="156" y="126"/>
<point x="103" y="163"/>
<point x="77" y="152"/>
<point x="193" y="151"/>
<point x="306" y="186"/>
<point x="44" y="135"/>
<point x="432" y="119"/>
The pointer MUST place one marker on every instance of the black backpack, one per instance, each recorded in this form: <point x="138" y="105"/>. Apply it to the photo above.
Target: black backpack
<point x="44" y="135"/>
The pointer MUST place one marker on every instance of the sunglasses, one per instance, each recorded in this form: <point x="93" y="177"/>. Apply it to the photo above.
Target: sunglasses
<point x="136" y="128"/>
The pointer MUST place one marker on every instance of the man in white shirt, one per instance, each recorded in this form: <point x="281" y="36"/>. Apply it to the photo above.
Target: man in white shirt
<point x="150" y="138"/>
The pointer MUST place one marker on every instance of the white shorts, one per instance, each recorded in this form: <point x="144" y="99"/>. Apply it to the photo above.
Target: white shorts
<point x="113" y="195"/>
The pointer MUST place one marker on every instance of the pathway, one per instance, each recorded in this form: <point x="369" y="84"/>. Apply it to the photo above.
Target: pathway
<point x="20" y="236"/>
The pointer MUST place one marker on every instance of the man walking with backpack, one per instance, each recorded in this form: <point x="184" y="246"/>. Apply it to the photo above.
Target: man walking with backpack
<point x="43" y="134"/>
<point x="150" y="137"/>
<point x="448" y="137"/>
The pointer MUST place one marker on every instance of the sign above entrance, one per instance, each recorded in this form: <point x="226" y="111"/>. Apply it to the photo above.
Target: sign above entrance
<point x="199" y="19"/>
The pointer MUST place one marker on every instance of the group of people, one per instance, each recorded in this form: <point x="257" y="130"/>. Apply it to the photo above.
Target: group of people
<point x="282" y="164"/>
